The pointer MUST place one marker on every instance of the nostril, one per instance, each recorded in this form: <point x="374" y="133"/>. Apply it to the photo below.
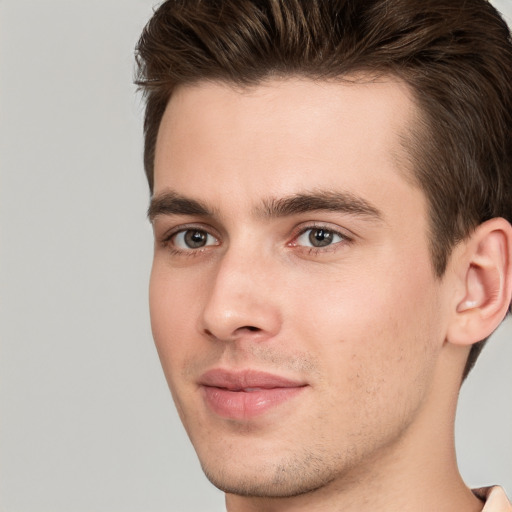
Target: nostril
<point x="249" y="328"/>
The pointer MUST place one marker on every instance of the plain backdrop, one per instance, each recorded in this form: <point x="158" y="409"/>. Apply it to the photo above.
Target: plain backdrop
<point x="86" y="420"/>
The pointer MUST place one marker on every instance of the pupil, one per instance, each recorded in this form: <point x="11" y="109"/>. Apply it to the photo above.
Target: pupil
<point x="195" y="239"/>
<point x="320" y="237"/>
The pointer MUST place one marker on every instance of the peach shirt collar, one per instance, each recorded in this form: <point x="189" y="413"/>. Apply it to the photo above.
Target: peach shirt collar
<point x="495" y="499"/>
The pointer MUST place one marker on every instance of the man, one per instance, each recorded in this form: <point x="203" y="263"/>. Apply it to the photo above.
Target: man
<point x="331" y="201"/>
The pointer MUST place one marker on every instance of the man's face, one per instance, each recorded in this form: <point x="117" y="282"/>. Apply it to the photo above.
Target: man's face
<point x="293" y="301"/>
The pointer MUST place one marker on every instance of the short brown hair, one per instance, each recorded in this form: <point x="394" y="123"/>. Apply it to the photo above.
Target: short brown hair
<point x="455" y="55"/>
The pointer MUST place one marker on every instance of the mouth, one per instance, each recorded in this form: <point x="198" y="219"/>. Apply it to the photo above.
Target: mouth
<point x="243" y="395"/>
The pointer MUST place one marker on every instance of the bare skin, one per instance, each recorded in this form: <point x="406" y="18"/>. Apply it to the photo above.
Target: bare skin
<point x="290" y="240"/>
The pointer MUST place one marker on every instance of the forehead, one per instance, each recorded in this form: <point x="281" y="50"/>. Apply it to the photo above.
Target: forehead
<point x="284" y="136"/>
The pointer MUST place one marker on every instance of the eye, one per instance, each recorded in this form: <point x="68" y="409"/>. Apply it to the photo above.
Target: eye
<point x="319" y="237"/>
<point x="193" y="239"/>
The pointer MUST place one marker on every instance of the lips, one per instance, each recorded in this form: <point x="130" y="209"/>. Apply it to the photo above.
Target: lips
<point x="246" y="394"/>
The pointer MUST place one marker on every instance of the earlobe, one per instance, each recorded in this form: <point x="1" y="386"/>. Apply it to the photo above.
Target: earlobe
<point x="486" y="274"/>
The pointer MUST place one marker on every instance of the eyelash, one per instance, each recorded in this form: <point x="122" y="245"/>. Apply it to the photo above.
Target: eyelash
<point x="333" y="247"/>
<point x="175" y="251"/>
<point x="191" y="252"/>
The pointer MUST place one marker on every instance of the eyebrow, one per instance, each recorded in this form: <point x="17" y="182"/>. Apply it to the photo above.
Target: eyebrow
<point x="342" y="202"/>
<point x="172" y="203"/>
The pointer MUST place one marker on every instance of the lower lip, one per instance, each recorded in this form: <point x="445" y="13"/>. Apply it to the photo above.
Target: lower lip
<point x="244" y="405"/>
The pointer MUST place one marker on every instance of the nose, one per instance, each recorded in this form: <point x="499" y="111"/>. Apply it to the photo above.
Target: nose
<point x="241" y="302"/>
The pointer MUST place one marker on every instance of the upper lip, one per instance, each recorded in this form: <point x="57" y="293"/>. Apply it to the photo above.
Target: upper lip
<point x="246" y="379"/>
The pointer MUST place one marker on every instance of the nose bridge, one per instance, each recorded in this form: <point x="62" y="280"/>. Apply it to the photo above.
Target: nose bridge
<point x="239" y="301"/>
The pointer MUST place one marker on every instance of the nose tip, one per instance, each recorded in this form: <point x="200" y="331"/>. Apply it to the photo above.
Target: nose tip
<point x="242" y="318"/>
<point x="239" y="305"/>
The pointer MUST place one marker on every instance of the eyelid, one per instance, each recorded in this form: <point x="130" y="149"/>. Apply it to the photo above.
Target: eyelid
<point x="179" y="240"/>
<point x="306" y="226"/>
<point x="346" y="237"/>
<point x="166" y="238"/>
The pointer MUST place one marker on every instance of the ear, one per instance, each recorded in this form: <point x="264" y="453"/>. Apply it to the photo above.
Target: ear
<point x="484" y="274"/>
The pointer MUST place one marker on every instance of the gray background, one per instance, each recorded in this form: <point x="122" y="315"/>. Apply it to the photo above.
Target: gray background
<point x="86" y="420"/>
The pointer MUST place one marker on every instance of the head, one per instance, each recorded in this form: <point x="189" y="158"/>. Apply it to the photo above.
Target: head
<point x="425" y="89"/>
<point x="455" y="57"/>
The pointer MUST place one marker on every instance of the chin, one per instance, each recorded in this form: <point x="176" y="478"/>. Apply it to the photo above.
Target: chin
<point x="282" y="479"/>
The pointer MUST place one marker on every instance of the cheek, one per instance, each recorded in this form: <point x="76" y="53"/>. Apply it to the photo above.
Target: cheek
<point x="171" y="304"/>
<point x="375" y="328"/>
<point x="171" y="301"/>
<point x="376" y="354"/>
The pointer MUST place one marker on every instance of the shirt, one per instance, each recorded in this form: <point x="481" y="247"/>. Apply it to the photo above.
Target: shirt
<point x="495" y="499"/>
